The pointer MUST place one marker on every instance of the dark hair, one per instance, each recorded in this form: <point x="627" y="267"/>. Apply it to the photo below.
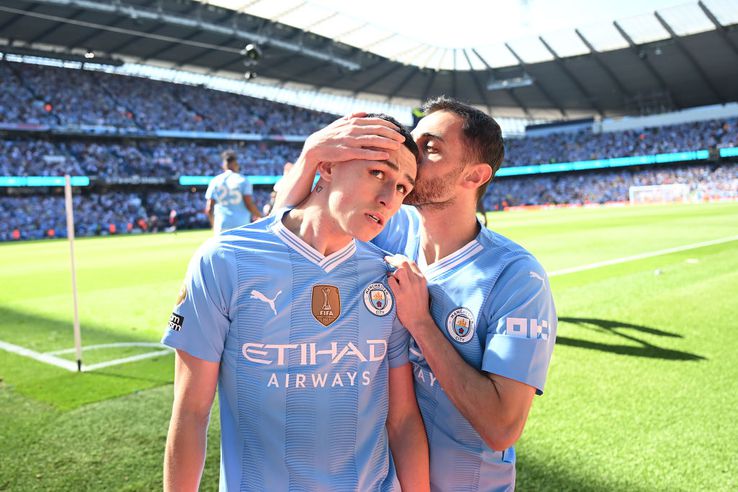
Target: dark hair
<point x="409" y="141"/>
<point x="228" y="156"/>
<point x="482" y="133"/>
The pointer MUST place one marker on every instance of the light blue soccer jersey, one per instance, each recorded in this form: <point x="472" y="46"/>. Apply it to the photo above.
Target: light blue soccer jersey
<point x="305" y="343"/>
<point x="493" y="302"/>
<point x="227" y="190"/>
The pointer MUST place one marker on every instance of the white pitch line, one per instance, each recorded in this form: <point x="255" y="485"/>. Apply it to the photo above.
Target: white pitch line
<point x="642" y="256"/>
<point x="46" y="358"/>
<point x="50" y="357"/>
<point x="107" y="345"/>
<point x="133" y="358"/>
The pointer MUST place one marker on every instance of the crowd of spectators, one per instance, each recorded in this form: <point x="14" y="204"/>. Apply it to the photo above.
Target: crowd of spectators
<point x="17" y="103"/>
<point x="48" y="95"/>
<point x="115" y="158"/>
<point x="38" y="94"/>
<point x="704" y="181"/>
<point x="585" y="145"/>
<point x="117" y="212"/>
<point x="41" y="216"/>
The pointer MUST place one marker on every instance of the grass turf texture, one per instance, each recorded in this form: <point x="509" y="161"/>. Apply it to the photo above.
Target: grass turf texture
<point x="638" y="395"/>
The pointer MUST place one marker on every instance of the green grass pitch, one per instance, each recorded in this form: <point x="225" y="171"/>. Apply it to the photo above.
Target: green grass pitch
<point x="640" y="394"/>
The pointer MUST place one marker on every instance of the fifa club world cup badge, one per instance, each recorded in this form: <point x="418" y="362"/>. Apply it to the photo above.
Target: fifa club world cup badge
<point x="377" y="299"/>
<point x="326" y="304"/>
<point x="460" y="324"/>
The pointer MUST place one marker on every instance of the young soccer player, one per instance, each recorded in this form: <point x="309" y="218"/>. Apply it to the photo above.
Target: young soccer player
<point x="482" y="349"/>
<point x="292" y="318"/>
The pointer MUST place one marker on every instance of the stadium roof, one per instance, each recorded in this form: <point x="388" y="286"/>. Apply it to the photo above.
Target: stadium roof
<point x="674" y="58"/>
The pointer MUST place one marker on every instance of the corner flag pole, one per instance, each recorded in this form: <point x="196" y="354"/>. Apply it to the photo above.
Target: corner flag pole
<point x="70" y="236"/>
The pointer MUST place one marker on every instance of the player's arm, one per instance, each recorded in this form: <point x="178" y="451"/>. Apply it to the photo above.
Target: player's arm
<point x="194" y="387"/>
<point x="209" y="206"/>
<point x="406" y="432"/>
<point x="348" y="138"/>
<point x="248" y="201"/>
<point x="497" y="407"/>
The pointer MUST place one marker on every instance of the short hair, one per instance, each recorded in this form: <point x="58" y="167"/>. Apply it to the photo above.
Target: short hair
<point x="482" y="133"/>
<point x="229" y="156"/>
<point x="409" y="142"/>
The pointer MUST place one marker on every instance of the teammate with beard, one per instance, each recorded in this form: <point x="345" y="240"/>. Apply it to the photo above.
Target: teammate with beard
<point x="478" y="306"/>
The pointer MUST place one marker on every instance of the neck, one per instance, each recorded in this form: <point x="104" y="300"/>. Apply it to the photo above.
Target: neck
<point x="446" y="230"/>
<point x="311" y="222"/>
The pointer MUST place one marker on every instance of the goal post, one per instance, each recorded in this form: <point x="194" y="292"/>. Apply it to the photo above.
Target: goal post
<point x="671" y="193"/>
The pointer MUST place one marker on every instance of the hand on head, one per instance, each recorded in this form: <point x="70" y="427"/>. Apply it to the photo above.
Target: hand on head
<point x="353" y="137"/>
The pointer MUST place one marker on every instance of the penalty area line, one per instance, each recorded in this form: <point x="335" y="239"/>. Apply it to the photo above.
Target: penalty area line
<point x="642" y="256"/>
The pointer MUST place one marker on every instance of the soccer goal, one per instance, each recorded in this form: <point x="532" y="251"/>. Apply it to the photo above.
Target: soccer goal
<point x="671" y="193"/>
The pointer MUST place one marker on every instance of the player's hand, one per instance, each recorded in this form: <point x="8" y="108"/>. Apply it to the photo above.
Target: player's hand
<point x="352" y="137"/>
<point x="411" y="293"/>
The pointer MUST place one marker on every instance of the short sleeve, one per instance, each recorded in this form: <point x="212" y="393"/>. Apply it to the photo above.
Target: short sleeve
<point x="522" y="324"/>
<point x="246" y="188"/>
<point x="398" y="346"/>
<point x="200" y="321"/>
<point x="209" y="191"/>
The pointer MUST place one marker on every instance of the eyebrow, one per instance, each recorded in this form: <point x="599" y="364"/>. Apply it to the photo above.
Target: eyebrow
<point x="434" y="136"/>
<point x="397" y="168"/>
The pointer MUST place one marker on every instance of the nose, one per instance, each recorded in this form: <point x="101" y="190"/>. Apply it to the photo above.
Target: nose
<point x="387" y="196"/>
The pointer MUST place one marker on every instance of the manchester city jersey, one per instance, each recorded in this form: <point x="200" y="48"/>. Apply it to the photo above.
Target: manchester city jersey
<point x="305" y="343"/>
<point x="493" y="302"/>
<point x="227" y="190"/>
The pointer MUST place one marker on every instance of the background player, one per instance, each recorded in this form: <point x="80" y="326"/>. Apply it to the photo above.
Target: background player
<point x="291" y="317"/>
<point x="229" y="201"/>
<point x="482" y="350"/>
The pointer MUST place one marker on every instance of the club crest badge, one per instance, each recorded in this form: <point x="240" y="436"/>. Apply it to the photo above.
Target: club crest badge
<point x="460" y="324"/>
<point x="377" y="299"/>
<point x="326" y="304"/>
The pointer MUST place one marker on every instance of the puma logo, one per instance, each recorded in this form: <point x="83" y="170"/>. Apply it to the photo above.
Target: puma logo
<point x="535" y="275"/>
<point x="255" y="294"/>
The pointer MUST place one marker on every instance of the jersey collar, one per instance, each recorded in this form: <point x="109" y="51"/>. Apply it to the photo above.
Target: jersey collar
<point x="294" y="242"/>
<point x="466" y="252"/>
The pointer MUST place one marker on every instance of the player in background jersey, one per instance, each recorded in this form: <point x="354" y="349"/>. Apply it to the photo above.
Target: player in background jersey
<point x="292" y="319"/>
<point x="482" y="349"/>
<point x="229" y="201"/>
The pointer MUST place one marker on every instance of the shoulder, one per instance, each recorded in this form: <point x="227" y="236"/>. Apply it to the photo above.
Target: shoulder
<point x="508" y="255"/>
<point x="409" y="213"/>
<point x="255" y="236"/>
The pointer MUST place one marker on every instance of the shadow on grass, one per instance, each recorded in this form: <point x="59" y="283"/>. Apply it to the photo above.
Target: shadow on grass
<point x="35" y="331"/>
<point x="642" y="349"/>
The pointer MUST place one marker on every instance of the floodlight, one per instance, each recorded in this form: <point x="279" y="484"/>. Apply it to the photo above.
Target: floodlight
<point x="511" y="83"/>
<point x="252" y="52"/>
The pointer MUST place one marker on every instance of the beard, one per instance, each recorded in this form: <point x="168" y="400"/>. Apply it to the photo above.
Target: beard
<point x="436" y="190"/>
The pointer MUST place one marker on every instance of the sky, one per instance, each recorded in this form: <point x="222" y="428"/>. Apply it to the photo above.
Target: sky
<point x="464" y="23"/>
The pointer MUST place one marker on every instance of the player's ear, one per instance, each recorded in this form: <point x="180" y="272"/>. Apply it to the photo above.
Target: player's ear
<point x="326" y="171"/>
<point x="477" y="175"/>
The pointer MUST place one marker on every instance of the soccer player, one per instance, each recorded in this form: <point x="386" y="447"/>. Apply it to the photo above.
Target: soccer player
<point x="482" y="349"/>
<point x="292" y="318"/>
<point x="228" y="198"/>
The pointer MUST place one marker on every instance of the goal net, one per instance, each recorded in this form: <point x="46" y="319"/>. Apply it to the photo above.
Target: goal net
<point x="659" y="194"/>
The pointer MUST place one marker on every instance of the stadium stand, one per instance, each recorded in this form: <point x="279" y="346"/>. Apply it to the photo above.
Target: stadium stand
<point x="586" y="145"/>
<point x="52" y="121"/>
<point x="51" y="95"/>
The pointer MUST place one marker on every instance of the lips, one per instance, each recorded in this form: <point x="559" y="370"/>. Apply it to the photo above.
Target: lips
<point x="375" y="217"/>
